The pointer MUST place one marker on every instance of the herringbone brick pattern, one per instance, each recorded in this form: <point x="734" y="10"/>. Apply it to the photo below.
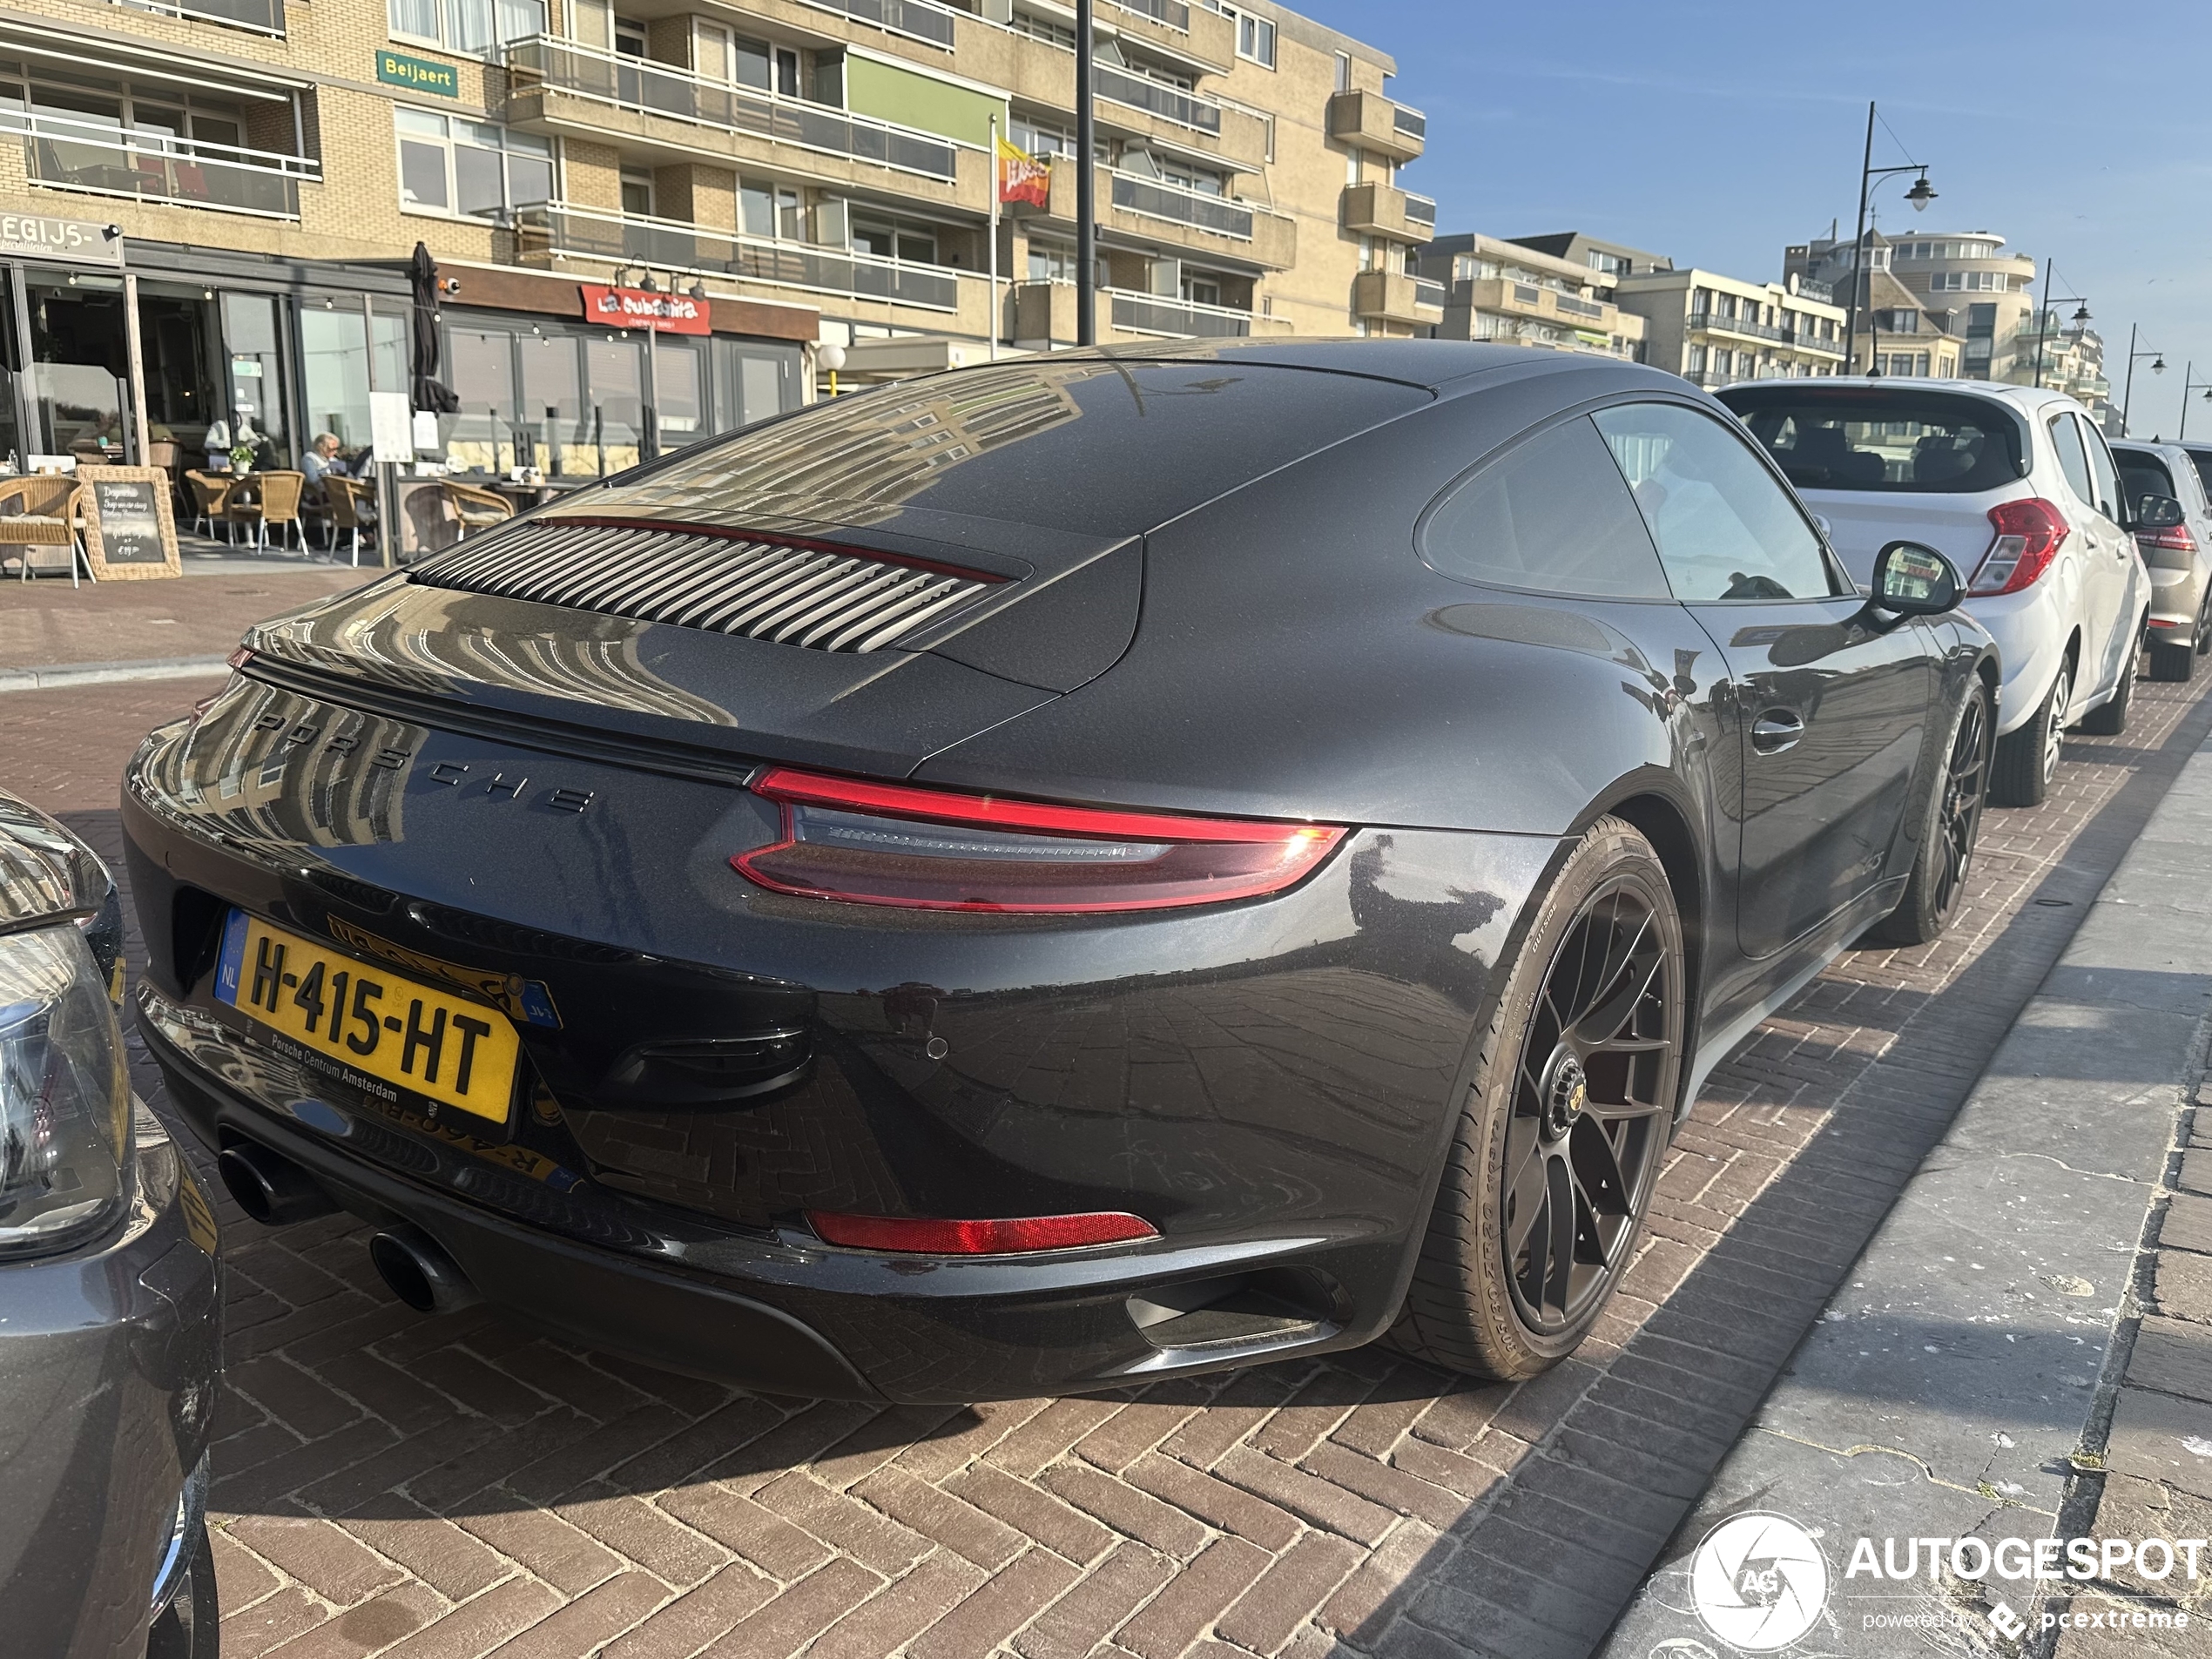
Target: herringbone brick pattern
<point x="388" y="1484"/>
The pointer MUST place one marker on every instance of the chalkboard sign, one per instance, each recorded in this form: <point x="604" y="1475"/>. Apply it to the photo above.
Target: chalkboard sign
<point x="130" y="528"/>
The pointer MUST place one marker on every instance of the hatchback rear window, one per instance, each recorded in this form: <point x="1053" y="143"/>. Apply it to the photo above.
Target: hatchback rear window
<point x="2203" y="462"/>
<point x="2142" y="475"/>
<point x="1908" y="442"/>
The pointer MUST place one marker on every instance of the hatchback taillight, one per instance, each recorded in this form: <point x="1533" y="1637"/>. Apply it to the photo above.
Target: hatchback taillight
<point x="2029" y="533"/>
<point x="935" y="849"/>
<point x="2173" y="539"/>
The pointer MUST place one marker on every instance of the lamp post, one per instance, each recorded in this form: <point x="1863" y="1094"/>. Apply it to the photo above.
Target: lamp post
<point x="2189" y="385"/>
<point x="1086" y="186"/>
<point x="2045" y="305"/>
<point x="1920" y="195"/>
<point x="2128" y="394"/>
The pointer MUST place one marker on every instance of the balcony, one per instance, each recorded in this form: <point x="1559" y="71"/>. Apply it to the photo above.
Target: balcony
<point x="1169" y="102"/>
<point x="1383" y="210"/>
<point x="1160" y="213"/>
<point x="1376" y="123"/>
<point x="1153" y="313"/>
<point x="1502" y="295"/>
<point x="262" y="17"/>
<point x="669" y="245"/>
<point x="632" y="83"/>
<point x="1044" y="313"/>
<point x="63" y="153"/>
<point x="916" y="19"/>
<point x="1391" y="296"/>
<point x="1198" y="34"/>
<point x="1741" y="326"/>
<point x="1173" y="13"/>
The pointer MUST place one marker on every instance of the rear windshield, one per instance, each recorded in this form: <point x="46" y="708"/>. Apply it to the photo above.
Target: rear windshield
<point x="1107" y="448"/>
<point x="2142" y="475"/>
<point x="1912" y="443"/>
<point x="2203" y="460"/>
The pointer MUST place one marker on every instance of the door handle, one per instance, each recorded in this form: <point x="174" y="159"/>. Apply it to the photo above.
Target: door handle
<point x="1777" y="730"/>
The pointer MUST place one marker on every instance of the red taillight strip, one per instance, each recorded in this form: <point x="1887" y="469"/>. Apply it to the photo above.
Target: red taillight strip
<point x="1015" y="1236"/>
<point x="995" y="812"/>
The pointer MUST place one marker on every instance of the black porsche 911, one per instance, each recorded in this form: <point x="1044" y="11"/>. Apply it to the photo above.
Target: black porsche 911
<point x="1058" y="873"/>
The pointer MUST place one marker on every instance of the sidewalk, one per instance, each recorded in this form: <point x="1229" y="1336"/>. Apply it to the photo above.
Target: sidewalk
<point x="53" y="634"/>
<point x="2025" y="1349"/>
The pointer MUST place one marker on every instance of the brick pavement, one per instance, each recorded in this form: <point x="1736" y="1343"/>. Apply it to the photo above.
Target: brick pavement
<point x="46" y="624"/>
<point x="457" y="1486"/>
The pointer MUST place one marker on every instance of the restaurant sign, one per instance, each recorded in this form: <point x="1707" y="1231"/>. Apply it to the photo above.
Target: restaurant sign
<point x="418" y="74"/>
<point x="665" y="314"/>
<point x="81" y="241"/>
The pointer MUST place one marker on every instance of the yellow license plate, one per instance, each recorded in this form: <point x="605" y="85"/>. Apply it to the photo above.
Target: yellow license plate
<point x="366" y="1019"/>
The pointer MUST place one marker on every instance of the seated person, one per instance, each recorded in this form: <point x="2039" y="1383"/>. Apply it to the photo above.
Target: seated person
<point x="321" y="457"/>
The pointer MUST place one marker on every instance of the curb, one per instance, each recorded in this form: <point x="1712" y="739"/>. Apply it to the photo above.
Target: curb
<point x="54" y="676"/>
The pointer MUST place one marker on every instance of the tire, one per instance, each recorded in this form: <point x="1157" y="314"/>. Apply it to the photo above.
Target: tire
<point x="1953" y="821"/>
<point x="1552" y="1162"/>
<point x="189" y="1627"/>
<point x="2109" y="717"/>
<point x="2020" y="773"/>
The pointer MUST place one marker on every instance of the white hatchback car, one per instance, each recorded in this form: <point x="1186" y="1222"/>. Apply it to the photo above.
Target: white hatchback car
<point x="2018" y="488"/>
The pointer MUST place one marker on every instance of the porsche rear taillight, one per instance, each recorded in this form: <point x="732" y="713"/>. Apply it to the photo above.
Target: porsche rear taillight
<point x="934" y="849"/>
<point x="2029" y="533"/>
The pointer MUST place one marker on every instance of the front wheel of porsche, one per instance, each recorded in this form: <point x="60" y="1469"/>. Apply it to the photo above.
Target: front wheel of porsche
<point x="1559" y="1143"/>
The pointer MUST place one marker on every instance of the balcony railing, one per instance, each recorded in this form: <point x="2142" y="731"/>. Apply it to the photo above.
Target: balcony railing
<point x="1738" y="325"/>
<point x="263" y="17"/>
<point x="1194" y="207"/>
<point x="1573" y="306"/>
<point x="1410" y="122"/>
<point x="1146" y="313"/>
<point x="1173" y="13"/>
<point x="1428" y="292"/>
<point x="914" y="18"/>
<point x="1420" y="210"/>
<point x="671" y="245"/>
<point x="106" y="160"/>
<point x="1161" y="99"/>
<point x="635" y="83"/>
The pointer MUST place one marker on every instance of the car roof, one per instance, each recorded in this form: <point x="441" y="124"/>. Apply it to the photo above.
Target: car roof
<point x="46" y="871"/>
<point x="1431" y="364"/>
<point x="1997" y="391"/>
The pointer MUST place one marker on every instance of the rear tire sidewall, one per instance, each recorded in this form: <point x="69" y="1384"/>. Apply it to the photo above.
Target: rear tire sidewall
<point x="1916" y="921"/>
<point x="2019" y="774"/>
<point x="1461" y="1311"/>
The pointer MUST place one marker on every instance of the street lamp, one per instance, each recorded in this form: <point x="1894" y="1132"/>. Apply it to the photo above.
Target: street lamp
<point x="1920" y="195"/>
<point x="2049" y="303"/>
<point x="2127" y="396"/>
<point x="2190" y="383"/>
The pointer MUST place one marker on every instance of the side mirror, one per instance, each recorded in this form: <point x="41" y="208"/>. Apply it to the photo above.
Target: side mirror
<point x="1910" y="580"/>
<point x="2158" y="513"/>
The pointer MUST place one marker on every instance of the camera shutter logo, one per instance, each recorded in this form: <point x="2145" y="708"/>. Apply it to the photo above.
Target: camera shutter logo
<point x="1758" y="1582"/>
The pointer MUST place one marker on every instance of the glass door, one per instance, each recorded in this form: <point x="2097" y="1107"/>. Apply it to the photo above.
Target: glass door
<point x="259" y="425"/>
<point x="78" y="375"/>
<point x="12" y="390"/>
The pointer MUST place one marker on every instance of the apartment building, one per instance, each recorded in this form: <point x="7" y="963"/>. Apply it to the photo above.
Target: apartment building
<point x="644" y="213"/>
<point x="1714" y="330"/>
<point x="1608" y="259"/>
<point x="1902" y="330"/>
<point x="1987" y="292"/>
<point x="1490" y="288"/>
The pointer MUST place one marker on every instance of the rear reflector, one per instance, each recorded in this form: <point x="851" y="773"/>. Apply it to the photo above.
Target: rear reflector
<point x="933" y="849"/>
<point x="1006" y="1237"/>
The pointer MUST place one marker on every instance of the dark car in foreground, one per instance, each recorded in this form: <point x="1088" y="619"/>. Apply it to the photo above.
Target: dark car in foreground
<point x="109" y="1311"/>
<point x="1059" y="874"/>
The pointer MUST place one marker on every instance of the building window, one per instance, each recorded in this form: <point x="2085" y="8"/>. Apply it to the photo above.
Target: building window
<point x="1695" y="362"/>
<point x="769" y="211"/>
<point x="637" y="192"/>
<point x="474" y="26"/>
<point x="449" y="166"/>
<point x="1256" y="41"/>
<point x="1344" y="72"/>
<point x="908" y="242"/>
<point x="1045" y="28"/>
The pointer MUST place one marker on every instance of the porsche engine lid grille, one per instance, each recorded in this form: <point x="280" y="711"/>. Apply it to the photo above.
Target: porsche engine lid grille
<point x="826" y="598"/>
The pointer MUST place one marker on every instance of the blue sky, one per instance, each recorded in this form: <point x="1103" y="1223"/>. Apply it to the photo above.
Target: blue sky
<point x="1718" y="134"/>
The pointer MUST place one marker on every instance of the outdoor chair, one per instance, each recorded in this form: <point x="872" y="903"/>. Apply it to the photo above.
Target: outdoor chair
<point x="276" y="502"/>
<point x="476" y="509"/>
<point x="211" y="498"/>
<point x="39" y="523"/>
<point x="351" y="502"/>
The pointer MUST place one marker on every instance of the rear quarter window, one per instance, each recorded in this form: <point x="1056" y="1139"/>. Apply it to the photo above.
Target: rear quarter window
<point x="1905" y="441"/>
<point x="1553" y="514"/>
<point x="2143" y="474"/>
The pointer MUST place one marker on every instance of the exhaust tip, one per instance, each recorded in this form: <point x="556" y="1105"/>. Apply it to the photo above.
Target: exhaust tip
<point x="269" y="1188"/>
<point x="417" y="1269"/>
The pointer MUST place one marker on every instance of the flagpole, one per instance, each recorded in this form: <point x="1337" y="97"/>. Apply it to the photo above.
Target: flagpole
<point x="994" y="236"/>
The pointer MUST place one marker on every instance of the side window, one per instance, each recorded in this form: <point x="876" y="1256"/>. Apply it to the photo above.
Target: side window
<point x="1724" y="527"/>
<point x="1551" y="515"/>
<point x="2073" y="459"/>
<point x="2101" y="470"/>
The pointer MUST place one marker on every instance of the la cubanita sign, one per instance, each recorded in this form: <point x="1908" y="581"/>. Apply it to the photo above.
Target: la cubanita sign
<point x="666" y="314"/>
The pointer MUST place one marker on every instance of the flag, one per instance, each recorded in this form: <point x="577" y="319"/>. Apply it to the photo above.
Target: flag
<point x="1022" y="177"/>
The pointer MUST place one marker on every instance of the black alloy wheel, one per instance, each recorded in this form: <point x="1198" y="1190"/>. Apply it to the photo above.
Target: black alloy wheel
<point x="1588" y="1101"/>
<point x="1569" y="1105"/>
<point x="1946" y="853"/>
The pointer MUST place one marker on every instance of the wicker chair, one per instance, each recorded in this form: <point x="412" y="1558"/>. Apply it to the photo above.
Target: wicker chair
<point x="351" y="502"/>
<point x="277" y="500"/>
<point x="473" y="508"/>
<point x="211" y="498"/>
<point x="38" y="522"/>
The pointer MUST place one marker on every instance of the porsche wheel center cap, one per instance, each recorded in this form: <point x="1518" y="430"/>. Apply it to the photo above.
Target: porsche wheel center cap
<point x="1567" y="1094"/>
